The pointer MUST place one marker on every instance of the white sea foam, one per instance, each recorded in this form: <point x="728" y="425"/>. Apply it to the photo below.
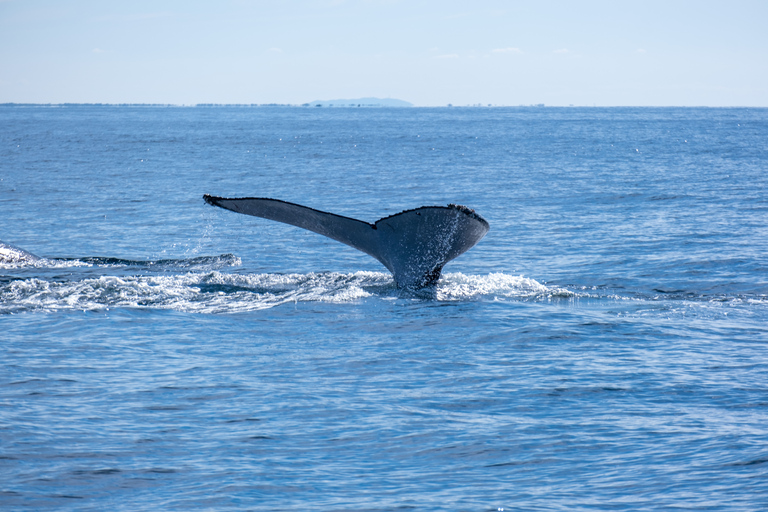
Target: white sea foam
<point x="212" y="292"/>
<point x="197" y="263"/>
<point x="217" y="292"/>
<point x="43" y="263"/>
<point x="221" y="292"/>
<point x="458" y="286"/>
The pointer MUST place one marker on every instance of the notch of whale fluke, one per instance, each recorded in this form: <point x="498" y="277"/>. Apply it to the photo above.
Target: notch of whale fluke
<point x="414" y="244"/>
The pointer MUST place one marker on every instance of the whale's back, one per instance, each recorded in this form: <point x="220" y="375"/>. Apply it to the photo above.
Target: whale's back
<point x="11" y="255"/>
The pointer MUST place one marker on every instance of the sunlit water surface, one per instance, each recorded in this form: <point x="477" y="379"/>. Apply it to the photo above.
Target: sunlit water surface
<point x="603" y="348"/>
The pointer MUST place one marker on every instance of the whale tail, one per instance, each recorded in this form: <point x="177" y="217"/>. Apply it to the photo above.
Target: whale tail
<point x="414" y="244"/>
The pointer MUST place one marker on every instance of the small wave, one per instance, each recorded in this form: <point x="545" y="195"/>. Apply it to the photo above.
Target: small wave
<point x="199" y="263"/>
<point x="688" y="297"/>
<point x="212" y="292"/>
<point x="41" y="263"/>
<point x="217" y="292"/>
<point x="458" y="286"/>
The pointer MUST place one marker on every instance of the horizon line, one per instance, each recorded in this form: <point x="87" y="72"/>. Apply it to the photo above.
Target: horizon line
<point x="345" y="106"/>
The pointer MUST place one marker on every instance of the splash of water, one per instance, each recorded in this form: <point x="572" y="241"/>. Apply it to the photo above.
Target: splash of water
<point x="218" y="292"/>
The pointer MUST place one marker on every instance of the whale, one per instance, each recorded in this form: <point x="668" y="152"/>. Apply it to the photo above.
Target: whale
<point x="12" y="255"/>
<point x="413" y="245"/>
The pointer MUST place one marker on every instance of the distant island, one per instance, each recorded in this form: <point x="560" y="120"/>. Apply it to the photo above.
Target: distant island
<point x="360" y="102"/>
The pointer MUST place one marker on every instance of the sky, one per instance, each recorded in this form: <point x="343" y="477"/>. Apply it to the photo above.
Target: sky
<point x="430" y="53"/>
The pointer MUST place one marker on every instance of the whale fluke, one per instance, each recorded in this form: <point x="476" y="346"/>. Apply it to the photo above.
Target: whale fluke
<point x="414" y="244"/>
<point x="11" y="255"/>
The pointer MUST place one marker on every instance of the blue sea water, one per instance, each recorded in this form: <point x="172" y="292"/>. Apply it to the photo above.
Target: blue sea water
<point x="605" y="347"/>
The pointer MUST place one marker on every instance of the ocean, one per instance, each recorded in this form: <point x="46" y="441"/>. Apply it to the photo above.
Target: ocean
<point x="604" y="347"/>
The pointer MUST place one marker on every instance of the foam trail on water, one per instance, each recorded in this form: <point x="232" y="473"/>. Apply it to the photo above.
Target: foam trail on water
<point x="212" y="292"/>
<point x="197" y="263"/>
<point x="458" y="286"/>
<point x="217" y="292"/>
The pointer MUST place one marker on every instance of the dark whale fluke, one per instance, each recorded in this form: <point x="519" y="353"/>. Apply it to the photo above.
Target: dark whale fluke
<point x="414" y="244"/>
<point x="11" y="255"/>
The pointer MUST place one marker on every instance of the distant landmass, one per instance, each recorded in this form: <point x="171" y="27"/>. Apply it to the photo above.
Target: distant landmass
<point x="361" y="102"/>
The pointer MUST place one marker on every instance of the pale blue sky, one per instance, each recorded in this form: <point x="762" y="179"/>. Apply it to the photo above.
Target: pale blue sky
<point x="426" y="52"/>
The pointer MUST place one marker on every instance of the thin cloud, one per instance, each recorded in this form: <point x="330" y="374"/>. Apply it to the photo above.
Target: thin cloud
<point x="562" y="50"/>
<point x="448" y="56"/>
<point x="640" y="50"/>
<point x="98" y="50"/>
<point x="507" y="50"/>
<point x="275" y="50"/>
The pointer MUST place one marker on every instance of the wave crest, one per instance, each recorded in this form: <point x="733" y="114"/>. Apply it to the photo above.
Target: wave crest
<point x="217" y="292"/>
<point x="197" y="263"/>
<point x="212" y="292"/>
<point x="458" y="286"/>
